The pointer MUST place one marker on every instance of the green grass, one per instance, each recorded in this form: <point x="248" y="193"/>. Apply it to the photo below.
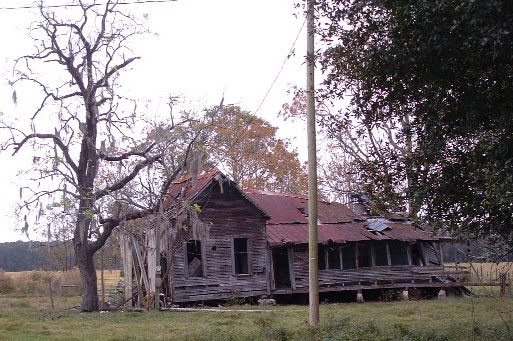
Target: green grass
<point x="450" y="319"/>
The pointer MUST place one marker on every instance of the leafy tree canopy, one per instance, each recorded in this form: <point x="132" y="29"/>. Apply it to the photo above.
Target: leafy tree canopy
<point x="247" y="148"/>
<point x="448" y="65"/>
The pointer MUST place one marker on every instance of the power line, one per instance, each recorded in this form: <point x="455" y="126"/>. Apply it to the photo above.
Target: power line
<point x="135" y="2"/>
<point x="254" y="117"/>
<point x="291" y="52"/>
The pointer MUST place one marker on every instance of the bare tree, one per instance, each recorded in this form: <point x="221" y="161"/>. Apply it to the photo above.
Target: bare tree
<point x="367" y="159"/>
<point x="91" y="159"/>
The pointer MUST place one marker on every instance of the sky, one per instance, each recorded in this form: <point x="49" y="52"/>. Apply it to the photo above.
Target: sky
<point x="201" y="50"/>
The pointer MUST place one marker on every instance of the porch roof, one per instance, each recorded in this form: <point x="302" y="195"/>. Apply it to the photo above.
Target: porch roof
<point x="290" y="234"/>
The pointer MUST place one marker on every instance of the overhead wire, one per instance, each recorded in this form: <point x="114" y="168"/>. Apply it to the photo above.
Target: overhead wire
<point x="254" y="116"/>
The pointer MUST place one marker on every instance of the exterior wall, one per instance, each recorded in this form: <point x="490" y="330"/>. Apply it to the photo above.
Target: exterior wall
<point x="232" y="217"/>
<point x="368" y="277"/>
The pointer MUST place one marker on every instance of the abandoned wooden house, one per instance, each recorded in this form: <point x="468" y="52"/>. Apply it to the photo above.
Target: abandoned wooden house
<point x="255" y="243"/>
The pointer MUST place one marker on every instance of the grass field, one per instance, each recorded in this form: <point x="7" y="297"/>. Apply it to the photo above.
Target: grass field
<point x="449" y="319"/>
<point x="487" y="272"/>
<point x="26" y="314"/>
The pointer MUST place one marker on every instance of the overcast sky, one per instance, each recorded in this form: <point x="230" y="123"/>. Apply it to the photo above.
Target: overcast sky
<point x="202" y="49"/>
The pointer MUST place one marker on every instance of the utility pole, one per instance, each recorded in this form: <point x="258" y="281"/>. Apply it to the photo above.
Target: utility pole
<point x="313" y="265"/>
<point x="158" y="268"/>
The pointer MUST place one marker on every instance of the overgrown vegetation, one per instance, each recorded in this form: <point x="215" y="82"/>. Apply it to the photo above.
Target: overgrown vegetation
<point x="451" y="319"/>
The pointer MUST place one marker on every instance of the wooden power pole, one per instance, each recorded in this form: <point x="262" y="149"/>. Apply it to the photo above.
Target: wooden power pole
<point x="313" y="265"/>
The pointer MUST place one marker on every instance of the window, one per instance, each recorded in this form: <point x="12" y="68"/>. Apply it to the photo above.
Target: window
<point x="416" y="255"/>
<point x="333" y="256"/>
<point x="380" y="254"/>
<point x="364" y="255"/>
<point x="329" y="257"/>
<point x="348" y="257"/>
<point x="398" y="253"/>
<point x="240" y="256"/>
<point x="194" y="259"/>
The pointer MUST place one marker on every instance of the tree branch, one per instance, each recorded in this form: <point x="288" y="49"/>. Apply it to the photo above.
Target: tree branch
<point x="122" y="182"/>
<point x="57" y="141"/>
<point x="126" y="155"/>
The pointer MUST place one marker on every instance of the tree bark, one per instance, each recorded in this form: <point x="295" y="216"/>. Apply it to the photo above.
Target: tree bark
<point x="85" y="262"/>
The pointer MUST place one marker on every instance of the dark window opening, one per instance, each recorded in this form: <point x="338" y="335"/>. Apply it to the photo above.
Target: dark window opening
<point x="380" y="254"/>
<point x="364" y="255"/>
<point x="333" y="257"/>
<point x="398" y="253"/>
<point x="322" y="257"/>
<point x="194" y="259"/>
<point x="281" y="267"/>
<point x="416" y="255"/>
<point x="241" y="256"/>
<point x="348" y="257"/>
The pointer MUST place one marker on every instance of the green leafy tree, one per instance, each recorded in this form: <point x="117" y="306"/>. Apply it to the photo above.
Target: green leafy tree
<point x="447" y="65"/>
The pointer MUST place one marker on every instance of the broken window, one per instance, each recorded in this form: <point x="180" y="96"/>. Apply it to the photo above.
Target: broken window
<point x="194" y="259"/>
<point x="398" y="253"/>
<point x="416" y="255"/>
<point x="364" y="256"/>
<point x="348" y="256"/>
<point x="329" y="257"/>
<point x="380" y="254"/>
<point x="241" y="256"/>
<point x="333" y="252"/>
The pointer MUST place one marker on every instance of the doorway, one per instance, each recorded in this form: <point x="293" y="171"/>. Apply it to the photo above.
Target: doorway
<point x="281" y="267"/>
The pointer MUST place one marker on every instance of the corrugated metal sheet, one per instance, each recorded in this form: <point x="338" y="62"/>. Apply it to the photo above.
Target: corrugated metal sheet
<point x="408" y="232"/>
<point x="379" y="225"/>
<point x="290" y="209"/>
<point x="280" y="234"/>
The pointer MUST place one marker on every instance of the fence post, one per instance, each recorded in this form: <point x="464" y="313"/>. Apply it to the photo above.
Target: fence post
<point x="503" y="283"/>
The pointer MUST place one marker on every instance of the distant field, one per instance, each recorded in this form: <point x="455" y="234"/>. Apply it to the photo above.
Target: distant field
<point x="36" y="283"/>
<point x="486" y="272"/>
<point x="109" y="275"/>
<point x="431" y="320"/>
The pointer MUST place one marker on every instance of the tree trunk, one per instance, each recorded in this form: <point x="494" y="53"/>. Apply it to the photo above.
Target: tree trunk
<point x="87" y="269"/>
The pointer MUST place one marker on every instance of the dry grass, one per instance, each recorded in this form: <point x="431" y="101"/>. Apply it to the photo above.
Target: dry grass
<point x="486" y="273"/>
<point x="37" y="283"/>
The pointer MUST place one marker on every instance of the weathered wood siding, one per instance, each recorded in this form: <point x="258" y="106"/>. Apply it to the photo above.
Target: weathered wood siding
<point x="231" y="216"/>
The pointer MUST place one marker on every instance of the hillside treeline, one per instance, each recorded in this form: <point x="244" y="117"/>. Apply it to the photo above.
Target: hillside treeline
<point x="27" y="256"/>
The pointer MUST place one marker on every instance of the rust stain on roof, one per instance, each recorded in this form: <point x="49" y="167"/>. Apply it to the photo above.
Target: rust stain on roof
<point x="290" y="209"/>
<point x="288" y="223"/>
<point x="189" y="187"/>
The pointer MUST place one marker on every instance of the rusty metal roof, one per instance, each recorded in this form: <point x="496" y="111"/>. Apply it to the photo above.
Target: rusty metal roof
<point x="281" y="234"/>
<point x="288" y="214"/>
<point x="290" y="209"/>
<point x="405" y="231"/>
<point x="189" y="187"/>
